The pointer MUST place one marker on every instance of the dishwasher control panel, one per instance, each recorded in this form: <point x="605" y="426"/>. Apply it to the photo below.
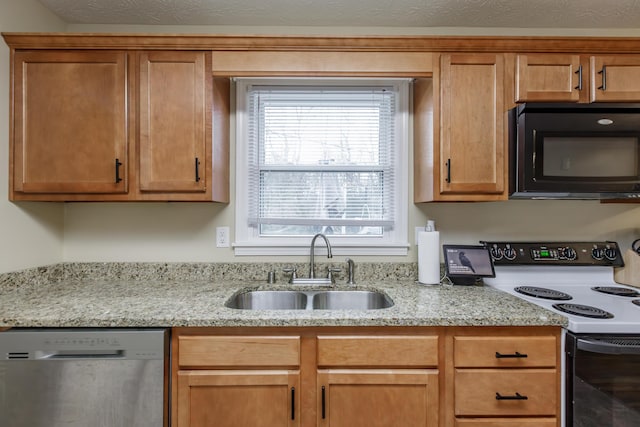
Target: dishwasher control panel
<point x="68" y="344"/>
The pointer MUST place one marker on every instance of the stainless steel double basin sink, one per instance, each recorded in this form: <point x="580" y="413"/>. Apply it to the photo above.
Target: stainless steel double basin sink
<point x="310" y="300"/>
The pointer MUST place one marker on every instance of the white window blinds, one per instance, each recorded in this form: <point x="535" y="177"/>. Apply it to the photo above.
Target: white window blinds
<point x="321" y="159"/>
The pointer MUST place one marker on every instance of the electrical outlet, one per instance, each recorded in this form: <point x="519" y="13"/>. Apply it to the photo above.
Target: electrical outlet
<point x="222" y="237"/>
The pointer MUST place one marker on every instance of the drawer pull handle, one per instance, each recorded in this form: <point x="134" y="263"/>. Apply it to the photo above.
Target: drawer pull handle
<point x="517" y="396"/>
<point x="516" y="355"/>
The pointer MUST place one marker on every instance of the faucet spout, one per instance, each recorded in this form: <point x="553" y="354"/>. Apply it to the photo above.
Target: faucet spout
<point x="312" y="273"/>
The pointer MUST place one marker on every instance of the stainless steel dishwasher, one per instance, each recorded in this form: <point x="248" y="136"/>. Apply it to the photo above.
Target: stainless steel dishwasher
<point x="84" y="377"/>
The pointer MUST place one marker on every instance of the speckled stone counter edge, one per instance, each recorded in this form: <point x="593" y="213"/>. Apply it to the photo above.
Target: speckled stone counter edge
<point x="33" y="276"/>
<point x="141" y="271"/>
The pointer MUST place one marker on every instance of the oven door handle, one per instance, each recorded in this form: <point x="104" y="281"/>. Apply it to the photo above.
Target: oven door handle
<point x="610" y="345"/>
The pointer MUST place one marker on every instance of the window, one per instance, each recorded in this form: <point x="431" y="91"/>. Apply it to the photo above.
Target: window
<point x="321" y="156"/>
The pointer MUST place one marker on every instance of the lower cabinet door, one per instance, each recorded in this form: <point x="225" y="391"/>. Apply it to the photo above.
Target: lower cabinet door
<point x="238" y="398"/>
<point x="377" y="398"/>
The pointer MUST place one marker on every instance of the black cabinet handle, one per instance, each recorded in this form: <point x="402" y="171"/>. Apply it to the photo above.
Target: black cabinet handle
<point x="293" y="403"/>
<point x="323" y="404"/>
<point x="448" y="164"/>
<point x="579" y="73"/>
<point x="197" y="170"/>
<point x="516" y="355"/>
<point x="604" y="78"/>
<point x="516" y="396"/>
<point x="118" y="164"/>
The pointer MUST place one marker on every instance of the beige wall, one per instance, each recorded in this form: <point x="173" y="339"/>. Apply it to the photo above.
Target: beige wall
<point x="31" y="233"/>
<point x="186" y="231"/>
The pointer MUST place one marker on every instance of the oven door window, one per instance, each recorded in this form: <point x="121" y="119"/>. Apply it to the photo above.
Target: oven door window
<point x="606" y="389"/>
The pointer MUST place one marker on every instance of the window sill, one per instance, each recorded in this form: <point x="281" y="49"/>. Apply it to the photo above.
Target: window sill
<point x="252" y="249"/>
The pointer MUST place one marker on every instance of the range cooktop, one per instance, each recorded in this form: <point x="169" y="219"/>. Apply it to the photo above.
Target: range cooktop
<point x="574" y="279"/>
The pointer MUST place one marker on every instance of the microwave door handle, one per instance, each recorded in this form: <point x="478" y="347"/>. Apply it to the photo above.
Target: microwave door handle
<point x="613" y="345"/>
<point x="603" y="72"/>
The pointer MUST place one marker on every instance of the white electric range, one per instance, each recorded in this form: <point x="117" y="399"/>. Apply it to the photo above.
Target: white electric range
<point x="601" y="343"/>
<point x="573" y="279"/>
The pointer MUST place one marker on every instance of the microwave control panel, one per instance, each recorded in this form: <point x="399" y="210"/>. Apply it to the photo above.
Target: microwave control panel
<point x="555" y="253"/>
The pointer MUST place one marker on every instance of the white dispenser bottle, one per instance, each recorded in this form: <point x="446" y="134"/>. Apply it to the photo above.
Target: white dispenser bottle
<point x="429" y="255"/>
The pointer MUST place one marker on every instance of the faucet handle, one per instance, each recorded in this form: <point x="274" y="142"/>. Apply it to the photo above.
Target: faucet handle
<point x="332" y="270"/>
<point x="293" y="271"/>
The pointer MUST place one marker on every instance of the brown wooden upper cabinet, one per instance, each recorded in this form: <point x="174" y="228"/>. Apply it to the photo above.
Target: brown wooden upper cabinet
<point x="470" y="144"/>
<point x="172" y="118"/>
<point x="549" y="77"/>
<point x="118" y="126"/>
<point x="70" y="123"/>
<point x="576" y="78"/>
<point x="615" y="78"/>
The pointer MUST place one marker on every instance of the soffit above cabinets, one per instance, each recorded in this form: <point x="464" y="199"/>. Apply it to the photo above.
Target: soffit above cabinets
<point x="354" y="13"/>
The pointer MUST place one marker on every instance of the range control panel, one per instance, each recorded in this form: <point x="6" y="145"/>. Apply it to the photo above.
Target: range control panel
<point x="555" y="253"/>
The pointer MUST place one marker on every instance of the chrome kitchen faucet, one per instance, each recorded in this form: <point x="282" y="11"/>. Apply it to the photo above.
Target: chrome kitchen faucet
<point x="312" y="279"/>
<point x="312" y="273"/>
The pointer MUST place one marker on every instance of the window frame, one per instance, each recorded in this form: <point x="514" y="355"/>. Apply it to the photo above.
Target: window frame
<point x="393" y="241"/>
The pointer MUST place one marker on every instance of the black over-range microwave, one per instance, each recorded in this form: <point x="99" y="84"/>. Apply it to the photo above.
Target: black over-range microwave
<point x="574" y="151"/>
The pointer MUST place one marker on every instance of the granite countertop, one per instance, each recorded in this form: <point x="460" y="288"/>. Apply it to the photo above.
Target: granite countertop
<point x="109" y="302"/>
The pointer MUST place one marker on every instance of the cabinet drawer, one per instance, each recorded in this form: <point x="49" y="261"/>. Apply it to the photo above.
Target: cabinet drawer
<point x="511" y="352"/>
<point x="404" y="351"/>
<point x="249" y="351"/>
<point x="476" y="392"/>
<point x="518" y="422"/>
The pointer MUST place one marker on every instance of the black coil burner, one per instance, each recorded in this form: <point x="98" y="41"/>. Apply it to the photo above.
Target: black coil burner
<point x="615" y="290"/>
<point x="543" y="293"/>
<point x="636" y="301"/>
<point x="583" y="310"/>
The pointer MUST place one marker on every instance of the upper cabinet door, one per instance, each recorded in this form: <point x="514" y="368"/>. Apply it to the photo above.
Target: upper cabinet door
<point x="70" y="122"/>
<point x="472" y="127"/>
<point x="173" y="121"/>
<point x="549" y="77"/>
<point x="615" y="78"/>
